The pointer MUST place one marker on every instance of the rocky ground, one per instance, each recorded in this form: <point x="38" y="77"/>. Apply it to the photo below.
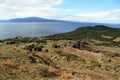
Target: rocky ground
<point x="40" y="59"/>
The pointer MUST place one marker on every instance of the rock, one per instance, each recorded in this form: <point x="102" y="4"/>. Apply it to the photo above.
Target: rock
<point x="80" y="44"/>
<point x="77" y="45"/>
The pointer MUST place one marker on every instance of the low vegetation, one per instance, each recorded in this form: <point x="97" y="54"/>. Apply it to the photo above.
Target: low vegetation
<point x="68" y="56"/>
<point x="91" y="32"/>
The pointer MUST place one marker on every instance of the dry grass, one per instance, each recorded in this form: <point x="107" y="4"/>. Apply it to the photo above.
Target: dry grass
<point x="117" y="39"/>
<point x="65" y="75"/>
<point x="62" y="63"/>
<point x="88" y="77"/>
<point x="7" y="62"/>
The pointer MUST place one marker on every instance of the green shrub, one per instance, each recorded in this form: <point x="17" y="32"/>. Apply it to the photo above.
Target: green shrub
<point x="30" y="47"/>
<point x="83" y="61"/>
<point x="56" y="46"/>
<point x="95" y="63"/>
<point x="12" y="41"/>
<point x="38" y="48"/>
<point x="46" y="50"/>
<point x="43" y="41"/>
<point x="34" y="47"/>
<point x="1" y="41"/>
<point x="69" y="57"/>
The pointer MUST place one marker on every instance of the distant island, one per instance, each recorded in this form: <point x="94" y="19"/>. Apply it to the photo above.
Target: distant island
<point x="39" y="19"/>
<point x="31" y="19"/>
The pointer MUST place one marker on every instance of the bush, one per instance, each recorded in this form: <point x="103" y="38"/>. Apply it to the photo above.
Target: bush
<point x="95" y="63"/>
<point x="43" y="41"/>
<point x="83" y="61"/>
<point x="34" y="47"/>
<point x="12" y="42"/>
<point x="56" y="46"/>
<point x="1" y="41"/>
<point x="38" y="48"/>
<point x="69" y="57"/>
<point x="46" y="50"/>
<point x="30" y="47"/>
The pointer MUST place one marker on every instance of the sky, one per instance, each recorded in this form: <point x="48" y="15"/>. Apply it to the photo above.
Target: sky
<point x="102" y="11"/>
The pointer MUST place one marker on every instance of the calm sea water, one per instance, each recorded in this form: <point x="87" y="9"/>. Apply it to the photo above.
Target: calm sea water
<point x="11" y="30"/>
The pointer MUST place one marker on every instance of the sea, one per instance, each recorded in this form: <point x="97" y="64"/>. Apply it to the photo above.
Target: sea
<point x="39" y="29"/>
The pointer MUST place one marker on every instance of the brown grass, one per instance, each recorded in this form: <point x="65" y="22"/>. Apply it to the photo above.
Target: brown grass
<point x="88" y="77"/>
<point x="65" y="75"/>
<point x="51" y="69"/>
<point x="7" y="62"/>
<point x="24" y="65"/>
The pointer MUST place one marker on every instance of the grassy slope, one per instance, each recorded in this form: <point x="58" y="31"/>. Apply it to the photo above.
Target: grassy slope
<point x="88" y="32"/>
<point x="58" y="60"/>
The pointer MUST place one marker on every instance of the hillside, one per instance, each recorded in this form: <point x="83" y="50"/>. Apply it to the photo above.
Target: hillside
<point x="57" y="58"/>
<point x="91" y="32"/>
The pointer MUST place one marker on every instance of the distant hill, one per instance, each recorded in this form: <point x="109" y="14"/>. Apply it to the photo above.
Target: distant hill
<point x="31" y="19"/>
<point x="91" y="32"/>
<point x="39" y="19"/>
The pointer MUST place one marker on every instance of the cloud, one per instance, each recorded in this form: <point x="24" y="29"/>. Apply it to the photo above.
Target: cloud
<point x="46" y="8"/>
<point x="68" y="10"/>
<point x="26" y="8"/>
<point x="111" y="16"/>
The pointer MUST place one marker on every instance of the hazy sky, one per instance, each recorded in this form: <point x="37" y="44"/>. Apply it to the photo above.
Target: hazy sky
<point x="107" y="11"/>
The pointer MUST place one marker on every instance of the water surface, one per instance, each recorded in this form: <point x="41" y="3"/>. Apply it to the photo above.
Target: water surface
<point x="11" y="30"/>
<point x="36" y="29"/>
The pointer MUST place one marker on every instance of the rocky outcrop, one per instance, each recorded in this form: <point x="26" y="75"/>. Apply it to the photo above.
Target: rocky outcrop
<point x="81" y="44"/>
